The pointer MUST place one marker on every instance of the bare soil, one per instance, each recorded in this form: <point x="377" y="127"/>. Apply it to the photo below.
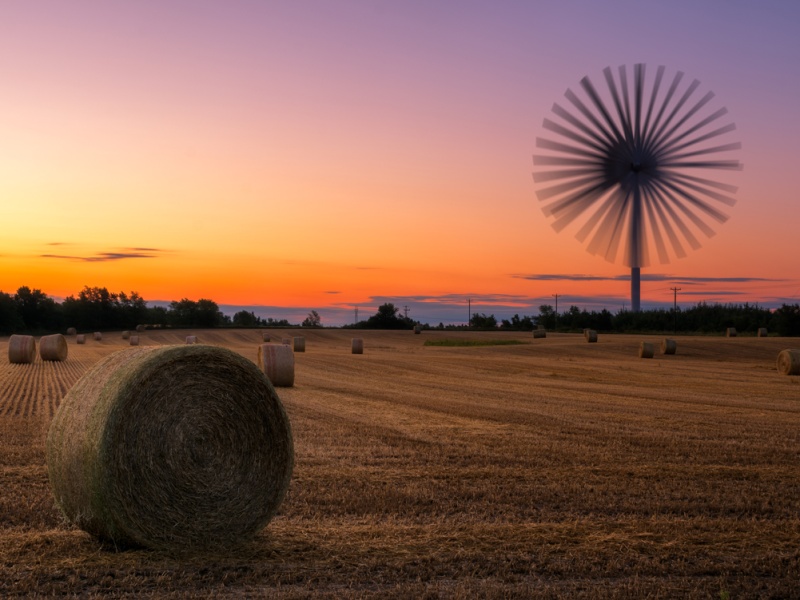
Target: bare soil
<point x="554" y="468"/>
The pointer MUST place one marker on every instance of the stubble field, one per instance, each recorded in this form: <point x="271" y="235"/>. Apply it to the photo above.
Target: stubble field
<point x="550" y="469"/>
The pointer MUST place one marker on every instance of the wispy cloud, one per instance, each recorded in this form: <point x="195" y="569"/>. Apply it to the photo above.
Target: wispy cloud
<point x="122" y="254"/>
<point x="645" y="277"/>
<point x="333" y="292"/>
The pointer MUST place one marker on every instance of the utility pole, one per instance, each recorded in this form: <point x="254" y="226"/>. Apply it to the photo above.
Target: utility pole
<point x="556" y="324"/>
<point x="469" y="312"/>
<point x="405" y="310"/>
<point x="675" y="291"/>
<point x="356" y="321"/>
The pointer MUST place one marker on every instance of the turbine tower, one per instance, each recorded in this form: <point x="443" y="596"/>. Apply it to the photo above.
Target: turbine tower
<point x="630" y="166"/>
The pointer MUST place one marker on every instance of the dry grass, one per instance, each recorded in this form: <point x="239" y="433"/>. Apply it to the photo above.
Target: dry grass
<point x="537" y="470"/>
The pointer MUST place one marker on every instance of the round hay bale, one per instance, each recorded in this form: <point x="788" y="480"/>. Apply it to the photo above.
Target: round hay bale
<point x="762" y="332"/>
<point x="299" y="344"/>
<point x="21" y="349"/>
<point x="265" y="337"/>
<point x="140" y="328"/>
<point x="417" y="329"/>
<point x="789" y="362"/>
<point x="591" y="336"/>
<point x="646" y="350"/>
<point x="669" y="346"/>
<point x="730" y="332"/>
<point x="80" y="338"/>
<point x="171" y="447"/>
<point x="72" y="331"/>
<point x="539" y="334"/>
<point x="277" y="363"/>
<point x="586" y="334"/>
<point x="98" y="337"/>
<point x="191" y="339"/>
<point x="134" y="341"/>
<point x="53" y="347"/>
<point x="126" y="335"/>
<point x="357" y="346"/>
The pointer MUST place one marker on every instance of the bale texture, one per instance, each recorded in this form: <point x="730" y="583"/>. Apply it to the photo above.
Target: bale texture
<point x="191" y="339"/>
<point x="730" y="332"/>
<point x="539" y="334"/>
<point x="299" y="344"/>
<point x="646" y="350"/>
<point x="80" y="339"/>
<point x="591" y="336"/>
<point x="98" y="336"/>
<point x="53" y="347"/>
<point x="357" y="346"/>
<point x="789" y="362"/>
<point x="762" y="332"/>
<point x="134" y="341"/>
<point x="21" y="349"/>
<point x="72" y="331"/>
<point x="126" y="335"/>
<point x="265" y="337"/>
<point x="669" y="346"/>
<point x="176" y="448"/>
<point x="277" y="363"/>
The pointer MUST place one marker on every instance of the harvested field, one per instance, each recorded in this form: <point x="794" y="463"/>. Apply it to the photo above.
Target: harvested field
<point x="548" y="469"/>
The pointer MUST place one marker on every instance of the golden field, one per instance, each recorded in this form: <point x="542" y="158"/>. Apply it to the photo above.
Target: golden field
<point x="549" y="469"/>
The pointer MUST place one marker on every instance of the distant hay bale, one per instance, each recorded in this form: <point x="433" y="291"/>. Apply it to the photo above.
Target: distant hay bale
<point x="668" y="346"/>
<point x="417" y="329"/>
<point x="299" y="344"/>
<point x="762" y="332"/>
<point x="646" y="350"/>
<point x="586" y="333"/>
<point x="98" y="336"/>
<point x="140" y="328"/>
<point x="730" y="332"/>
<point x="21" y="349"/>
<point x="71" y="331"/>
<point x="789" y="362"/>
<point x="277" y="363"/>
<point x="191" y="339"/>
<point x="80" y="338"/>
<point x="53" y="347"/>
<point x="357" y="346"/>
<point x="539" y="334"/>
<point x="126" y="335"/>
<point x="178" y="448"/>
<point x="591" y="336"/>
<point x="265" y="337"/>
<point x="134" y="341"/>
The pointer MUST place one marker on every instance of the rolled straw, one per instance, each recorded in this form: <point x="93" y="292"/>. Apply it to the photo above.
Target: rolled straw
<point x="53" y="347"/>
<point x="539" y="334"/>
<point x="277" y="363"/>
<point x="789" y="362"/>
<point x="669" y="346"/>
<point x="177" y="448"/>
<point x="21" y="349"/>
<point x="126" y="335"/>
<point x="357" y="346"/>
<point x="646" y="350"/>
<point x="299" y="344"/>
<point x="80" y="338"/>
<point x="134" y="341"/>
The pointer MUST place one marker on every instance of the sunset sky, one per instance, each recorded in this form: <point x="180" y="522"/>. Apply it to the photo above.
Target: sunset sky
<point x="290" y="156"/>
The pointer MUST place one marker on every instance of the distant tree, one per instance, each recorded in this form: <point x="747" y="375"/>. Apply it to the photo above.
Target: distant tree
<point x="482" y="321"/>
<point x="547" y="317"/>
<point x="244" y="318"/>
<point x="10" y="319"/>
<point x="786" y="320"/>
<point x="37" y="311"/>
<point x="312" y="320"/>
<point x="387" y="318"/>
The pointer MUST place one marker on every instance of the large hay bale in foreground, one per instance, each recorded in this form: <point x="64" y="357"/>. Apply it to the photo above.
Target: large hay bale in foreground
<point x="646" y="350"/>
<point x="21" y="349"/>
<point x="789" y="362"/>
<point x="299" y="344"/>
<point x="539" y="334"/>
<point x="277" y="363"/>
<point x="762" y="332"/>
<point x="730" y="332"/>
<point x="171" y="447"/>
<point x="669" y="346"/>
<point x="53" y="347"/>
<point x="357" y="346"/>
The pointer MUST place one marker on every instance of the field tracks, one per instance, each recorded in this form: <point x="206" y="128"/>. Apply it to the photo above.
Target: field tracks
<point x="35" y="390"/>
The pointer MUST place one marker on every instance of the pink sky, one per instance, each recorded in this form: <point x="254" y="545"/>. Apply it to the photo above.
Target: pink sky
<point x="325" y="155"/>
